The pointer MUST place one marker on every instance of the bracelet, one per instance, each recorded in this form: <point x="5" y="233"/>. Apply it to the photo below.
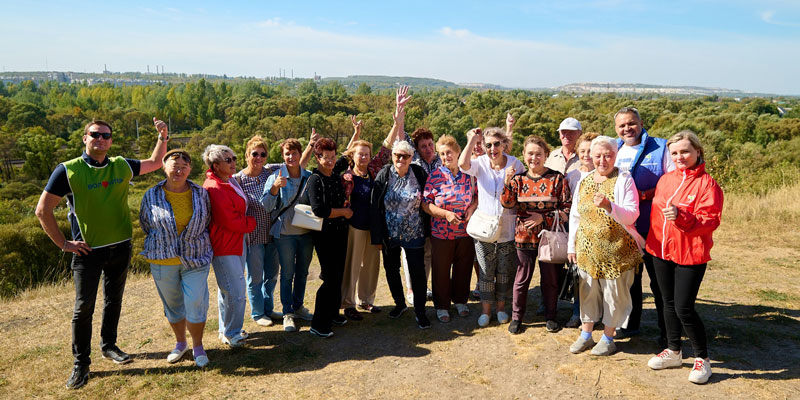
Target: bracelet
<point x="64" y="246"/>
<point x="166" y="139"/>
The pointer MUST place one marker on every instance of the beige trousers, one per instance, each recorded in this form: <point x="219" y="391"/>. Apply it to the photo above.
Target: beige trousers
<point x="361" y="267"/>
<point x="609" y="299"/>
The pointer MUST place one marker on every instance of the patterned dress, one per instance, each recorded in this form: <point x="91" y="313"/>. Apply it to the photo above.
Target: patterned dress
<point x="603" y="247"/>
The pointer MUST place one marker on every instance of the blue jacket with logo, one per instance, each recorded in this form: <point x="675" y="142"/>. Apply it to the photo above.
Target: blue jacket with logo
<point x="647" y="168"/>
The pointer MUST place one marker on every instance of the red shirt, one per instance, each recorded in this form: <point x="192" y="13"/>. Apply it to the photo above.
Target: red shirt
<point x="228" y="220"/>
<point x="687" y="239"/>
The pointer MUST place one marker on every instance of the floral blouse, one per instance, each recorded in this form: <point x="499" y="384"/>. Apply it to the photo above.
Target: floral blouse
<point x="451" y="193"/>
<point x="402" y="201"/>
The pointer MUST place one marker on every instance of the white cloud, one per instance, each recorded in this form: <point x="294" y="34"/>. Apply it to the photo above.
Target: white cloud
<point x="769" y="17"/>
<point x="457" y="33"/>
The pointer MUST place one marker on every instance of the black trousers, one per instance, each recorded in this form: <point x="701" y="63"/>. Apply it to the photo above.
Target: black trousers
<point x="635" y="319"/>
<point x="679" y="287"/>
<point x="416" y="268"/>
<point x="331" y="246"/>
<point x="112" y="263"/>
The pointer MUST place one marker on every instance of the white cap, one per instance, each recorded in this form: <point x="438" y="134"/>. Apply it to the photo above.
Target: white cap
<point x="571" y="124"/>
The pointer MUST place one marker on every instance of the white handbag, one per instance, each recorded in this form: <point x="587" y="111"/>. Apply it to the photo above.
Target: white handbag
<point x="553" y="243"/>
<point x="484" y="227"/>
<point x="305" y="218"/>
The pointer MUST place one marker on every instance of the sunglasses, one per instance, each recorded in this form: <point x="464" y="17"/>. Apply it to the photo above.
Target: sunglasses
<point x="401" y="156"/>
<point x="257" y="154"/>
<point x="176" y="156"/>
<point x="229" y="159"/>
<point x="489" y="145"/>
<point x="97" y="135"/>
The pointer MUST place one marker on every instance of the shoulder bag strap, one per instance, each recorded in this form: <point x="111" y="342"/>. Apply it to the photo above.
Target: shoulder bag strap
<point x="296" y="196"/>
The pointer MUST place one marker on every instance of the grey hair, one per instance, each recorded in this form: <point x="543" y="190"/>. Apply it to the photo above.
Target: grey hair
<point x="607" y="141"/>
<point x="628" y="110"/>
<point x="403" y="147"/>
<point x="215" y="153"/>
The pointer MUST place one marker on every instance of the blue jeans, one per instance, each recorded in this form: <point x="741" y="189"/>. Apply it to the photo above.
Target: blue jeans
<point x="262" y="276"/>
<point x="229" y="271"/>
<point x="294" y="253"/>
<point x="183" y="291"/>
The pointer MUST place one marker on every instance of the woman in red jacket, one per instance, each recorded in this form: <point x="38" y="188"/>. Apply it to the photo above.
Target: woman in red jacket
<point x="227" y="229"/>
<point x="686" y="211"/>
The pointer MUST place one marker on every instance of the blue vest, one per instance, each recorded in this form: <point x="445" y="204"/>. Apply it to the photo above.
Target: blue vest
<point x="647" y="168"/>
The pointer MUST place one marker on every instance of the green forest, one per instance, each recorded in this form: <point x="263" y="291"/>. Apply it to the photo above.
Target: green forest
<point x="751" y="145"/>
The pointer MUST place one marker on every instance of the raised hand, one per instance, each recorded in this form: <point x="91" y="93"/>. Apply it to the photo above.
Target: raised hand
<point x="356" y="125"/>
<point x="510" y="121"/>
<point x="314" y="136"/>
<point x="402" y="96"/>
<point x="473" y="133"/>
<point x="280" y="181"/>
<point x="161" y="127"/>
<point x="510" y="172"/>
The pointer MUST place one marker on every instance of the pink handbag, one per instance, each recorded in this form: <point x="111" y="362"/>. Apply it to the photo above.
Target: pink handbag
<point x="553" y="243"/>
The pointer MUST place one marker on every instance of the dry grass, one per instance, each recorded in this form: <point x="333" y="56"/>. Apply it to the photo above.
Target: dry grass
<point x="749" y="301"/>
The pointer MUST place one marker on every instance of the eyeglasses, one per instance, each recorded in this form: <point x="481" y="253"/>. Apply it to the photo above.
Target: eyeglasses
<point x="257" y="154"/>
<point x="175" y="156"/>
<point x="96" y="135"/>
<point x="401" y="156"/>
<point x="229" y="159"/>
<point x="489" y="145"/>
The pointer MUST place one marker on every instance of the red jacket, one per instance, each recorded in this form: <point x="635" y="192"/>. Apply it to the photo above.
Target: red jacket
<point x="687" y="239"/>
<point x="228" y="221"/>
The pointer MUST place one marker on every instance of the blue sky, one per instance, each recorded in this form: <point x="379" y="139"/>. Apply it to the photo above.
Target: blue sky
<point x="736" y="44"/>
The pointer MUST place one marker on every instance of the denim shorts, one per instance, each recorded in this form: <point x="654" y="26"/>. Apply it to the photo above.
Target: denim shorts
<point x="183" y="291"/>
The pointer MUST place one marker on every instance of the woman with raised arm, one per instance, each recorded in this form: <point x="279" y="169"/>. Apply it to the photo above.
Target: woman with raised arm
<point x="174" y="215"/>
<point x="362" y="262"/>
<point x="497" y="259"/>
<point x="229" y="225"/>
<point x="687" y="208"/>
<point x="542" y="199"/>
<point x="262" y="258"/>
<point x="447" y="196"/>
<point x="604" y="243"/>
<point x="284" y="189"/>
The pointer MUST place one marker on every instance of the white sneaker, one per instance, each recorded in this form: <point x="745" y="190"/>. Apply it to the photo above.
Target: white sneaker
<point x="701" y="371"/>
<point x="502" y="317"/>
<point x="303" y="313"/>
<point x="288" y="323"/>
<point x="236" y="341"/>
<point x="483" y="320"/>
<point x="666" y="359"/>
<point x="264" y="321"/>
<point x="175" y="355"/>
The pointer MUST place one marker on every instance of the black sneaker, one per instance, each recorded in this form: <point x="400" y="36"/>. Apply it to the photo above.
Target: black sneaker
<point x="320" y="334"/>
<point x="423" y="322"/>
<point x="116" y="355"/>
<point x="552" y="326"/>
<point x="79" y="377"/>
<point x="339" y="320"/>
<point x="514" y="326"/>
<point x="397" y="311"/>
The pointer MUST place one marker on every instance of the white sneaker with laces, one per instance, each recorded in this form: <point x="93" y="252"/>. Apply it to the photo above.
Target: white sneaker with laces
<point x="288" y="323"/>
<point x="666" y="359"/>
<point x="264" y="321"/>
<point x="701" y="371"/>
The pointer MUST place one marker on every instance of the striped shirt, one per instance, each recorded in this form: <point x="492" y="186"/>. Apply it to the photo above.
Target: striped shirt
<point x="253" y="187"/>
<point x="162" y="241"/>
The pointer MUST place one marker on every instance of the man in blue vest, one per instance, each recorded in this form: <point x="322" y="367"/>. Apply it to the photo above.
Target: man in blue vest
<point x="646" y="158"/>
<point x="96" y="187"/>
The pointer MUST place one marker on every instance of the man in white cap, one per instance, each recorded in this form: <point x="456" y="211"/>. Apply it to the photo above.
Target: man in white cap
<point x="564" y="158"/>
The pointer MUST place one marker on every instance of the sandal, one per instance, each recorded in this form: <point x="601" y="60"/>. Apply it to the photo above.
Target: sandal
<point x="370" y="308"/>
<point x="463" y="310"/>
<point x="443" y="316"/>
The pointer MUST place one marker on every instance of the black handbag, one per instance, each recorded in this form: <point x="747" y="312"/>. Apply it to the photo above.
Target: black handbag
<point x="569" y="289"/>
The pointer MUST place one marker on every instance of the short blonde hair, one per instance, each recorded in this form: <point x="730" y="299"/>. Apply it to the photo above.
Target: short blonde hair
<point x="691" y="137"/>
<point x="607" y="141"/>
<point x="449" y="141"/>
<point x="586" y="137"/>
<point x="215" y="153"/>
<point x="255" y="142"/>
<point x="350" y="152"/>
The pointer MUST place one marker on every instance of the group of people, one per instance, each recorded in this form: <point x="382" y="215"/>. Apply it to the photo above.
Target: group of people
<point x="629" y="204"/>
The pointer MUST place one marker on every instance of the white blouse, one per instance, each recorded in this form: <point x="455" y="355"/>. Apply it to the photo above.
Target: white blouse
<point x="490" y="187"/>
